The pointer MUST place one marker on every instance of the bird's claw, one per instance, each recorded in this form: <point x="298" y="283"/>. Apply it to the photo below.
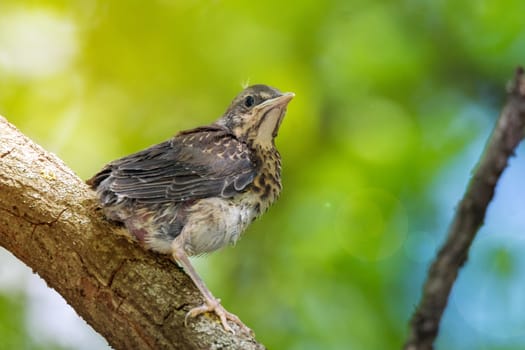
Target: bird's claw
<point x="216" y="307"/>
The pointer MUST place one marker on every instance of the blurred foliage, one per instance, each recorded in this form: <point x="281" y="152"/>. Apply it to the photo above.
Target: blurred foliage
<point x="12" y="328"/>
<point x="393" y="103"/>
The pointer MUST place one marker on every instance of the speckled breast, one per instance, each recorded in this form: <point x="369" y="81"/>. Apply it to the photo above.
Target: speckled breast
<point x="267" y="186"/>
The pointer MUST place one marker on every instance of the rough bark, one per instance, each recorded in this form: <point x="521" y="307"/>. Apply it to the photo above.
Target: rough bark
<point x="468" y="218"/>
<point x="136" y="299"/>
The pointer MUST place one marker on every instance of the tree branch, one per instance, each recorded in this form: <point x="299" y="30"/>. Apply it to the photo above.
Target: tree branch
<point x="468" y="218"/>
<point x="136" y="299"/>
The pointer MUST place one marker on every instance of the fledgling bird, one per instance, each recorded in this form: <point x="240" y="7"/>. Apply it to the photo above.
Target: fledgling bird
<point x="199" y="190"/>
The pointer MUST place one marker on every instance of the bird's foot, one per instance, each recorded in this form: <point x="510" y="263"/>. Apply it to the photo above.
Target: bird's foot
<point x="214" y="305"/>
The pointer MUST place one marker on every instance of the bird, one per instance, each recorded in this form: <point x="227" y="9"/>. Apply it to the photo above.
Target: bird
<point x="199" y="190"/>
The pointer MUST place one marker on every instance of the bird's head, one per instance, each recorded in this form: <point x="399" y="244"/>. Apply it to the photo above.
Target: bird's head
<point x="256" y="114"/>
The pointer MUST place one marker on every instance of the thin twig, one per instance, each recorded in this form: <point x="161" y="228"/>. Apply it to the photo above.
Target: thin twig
<point x="468" y="218"/>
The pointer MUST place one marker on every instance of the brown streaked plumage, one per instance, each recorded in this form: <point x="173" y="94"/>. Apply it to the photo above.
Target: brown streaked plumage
<point x="198" y="191"/>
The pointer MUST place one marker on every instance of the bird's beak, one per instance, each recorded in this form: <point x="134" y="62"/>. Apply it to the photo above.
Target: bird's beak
<point x="277" y="102"/>
<point x="270" y="114"/>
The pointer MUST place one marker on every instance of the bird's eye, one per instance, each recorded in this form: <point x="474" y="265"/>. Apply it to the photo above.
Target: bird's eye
<point x="249" y="101"/>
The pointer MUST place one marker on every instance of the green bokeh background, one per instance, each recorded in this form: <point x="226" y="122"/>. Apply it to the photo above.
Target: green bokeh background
<point x="394" y="100"/>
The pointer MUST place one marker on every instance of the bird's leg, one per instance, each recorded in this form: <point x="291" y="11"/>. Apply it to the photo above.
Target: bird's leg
<point x="211" y="304"/>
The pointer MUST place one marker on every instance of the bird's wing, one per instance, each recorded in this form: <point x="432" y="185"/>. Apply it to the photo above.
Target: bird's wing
<point x="200" y="163"/>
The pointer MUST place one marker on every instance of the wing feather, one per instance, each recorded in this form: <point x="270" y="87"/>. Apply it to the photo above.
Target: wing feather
<point x="180" y="169"/>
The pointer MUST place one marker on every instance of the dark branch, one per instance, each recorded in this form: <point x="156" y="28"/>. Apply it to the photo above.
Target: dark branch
<point x="134" y="298"/>
<point x="468" y="218"/>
